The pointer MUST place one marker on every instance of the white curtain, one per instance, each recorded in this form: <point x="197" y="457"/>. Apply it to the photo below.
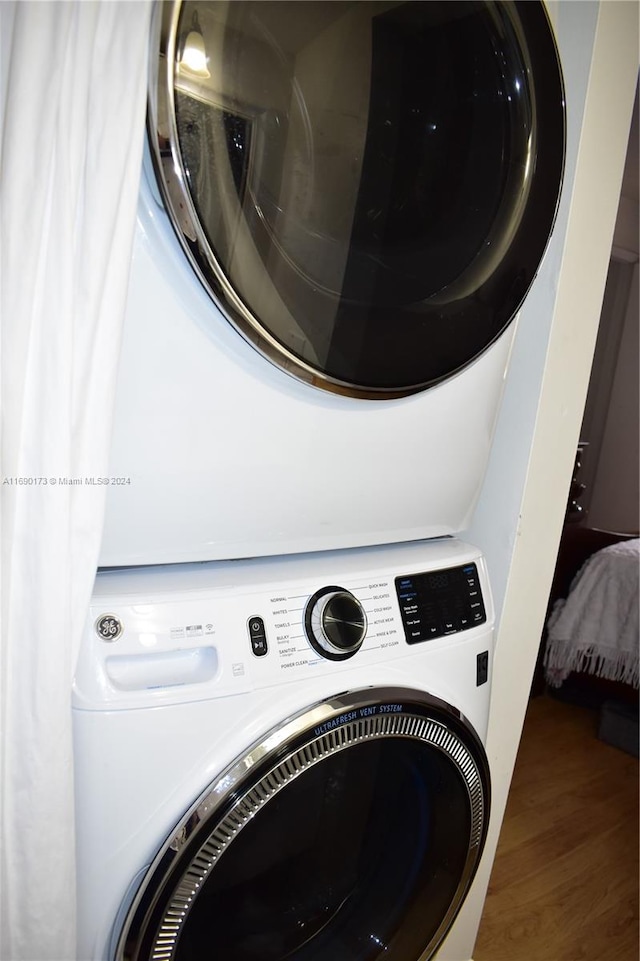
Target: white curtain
<point x="72" y="100"/>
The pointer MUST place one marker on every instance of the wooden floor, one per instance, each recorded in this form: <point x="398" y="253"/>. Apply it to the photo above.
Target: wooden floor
<point x="564" y="885"/>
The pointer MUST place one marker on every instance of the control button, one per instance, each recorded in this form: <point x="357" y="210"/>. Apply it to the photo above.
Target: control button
<point x="257" y="636"/>
<point x="426" y="631"/>
<point x="259" y="646"/>
<point x="335" y="622"/>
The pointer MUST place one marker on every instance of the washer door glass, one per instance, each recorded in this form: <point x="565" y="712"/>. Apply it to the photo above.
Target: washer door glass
<point x="365" y="187"/>
<point x="357" y="844"/>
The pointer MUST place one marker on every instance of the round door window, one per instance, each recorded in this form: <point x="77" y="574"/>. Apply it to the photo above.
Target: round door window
<point x="365" y="187"/>
<point x="353" y="837"/>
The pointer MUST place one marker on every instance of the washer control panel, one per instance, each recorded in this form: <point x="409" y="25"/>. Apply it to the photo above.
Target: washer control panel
<point x="218" y="629"/>
<point x="441" y="602"/>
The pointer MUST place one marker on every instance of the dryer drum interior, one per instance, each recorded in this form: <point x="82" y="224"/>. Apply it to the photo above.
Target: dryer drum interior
<point x="365" y="188"/>
<point x="352" y="833"/>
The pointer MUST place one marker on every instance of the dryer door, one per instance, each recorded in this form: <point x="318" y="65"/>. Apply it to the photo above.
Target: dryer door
<point x="366" y="187"/>
<point x="351" y="833"/>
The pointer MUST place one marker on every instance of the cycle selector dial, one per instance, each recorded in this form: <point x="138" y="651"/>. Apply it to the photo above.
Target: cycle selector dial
<point x="336" y="623"/>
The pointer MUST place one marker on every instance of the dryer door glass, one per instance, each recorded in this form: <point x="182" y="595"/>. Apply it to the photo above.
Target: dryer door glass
<point x="366" y="187"/>
<point x="357" y="845"/>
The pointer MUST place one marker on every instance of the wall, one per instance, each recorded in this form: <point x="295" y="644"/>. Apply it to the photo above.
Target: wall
<point x="611" y="423"/>
<point x="615" y="498"/>
<point x="519" y="516"/>
<point x="626" y="237"/>
<point x="617" y="313"/>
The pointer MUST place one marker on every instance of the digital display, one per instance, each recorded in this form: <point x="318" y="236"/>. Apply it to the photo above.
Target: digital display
<point x="439" y="581"/>
<point x="436" y="603"/>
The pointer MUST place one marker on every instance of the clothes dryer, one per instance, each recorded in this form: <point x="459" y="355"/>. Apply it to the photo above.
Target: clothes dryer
<point x="283" y="758"/>
<point x="343" y="207"/>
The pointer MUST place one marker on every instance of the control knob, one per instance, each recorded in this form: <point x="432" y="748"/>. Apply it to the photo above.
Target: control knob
<point x="335" y="623"/>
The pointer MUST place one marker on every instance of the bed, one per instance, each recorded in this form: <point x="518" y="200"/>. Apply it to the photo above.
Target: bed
<point x="595" y="629"/>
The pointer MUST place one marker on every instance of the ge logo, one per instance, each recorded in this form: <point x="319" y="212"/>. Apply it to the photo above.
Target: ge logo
<point x="108" y="627"/>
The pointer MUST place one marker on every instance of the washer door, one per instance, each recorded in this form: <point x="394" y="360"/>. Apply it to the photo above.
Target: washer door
<point x="351" y="833"/>
<point x="366" y="188"/>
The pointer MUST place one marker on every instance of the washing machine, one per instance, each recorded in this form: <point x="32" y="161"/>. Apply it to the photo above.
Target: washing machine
<point x="342" y="209"/>
<point x="283" y="758"/>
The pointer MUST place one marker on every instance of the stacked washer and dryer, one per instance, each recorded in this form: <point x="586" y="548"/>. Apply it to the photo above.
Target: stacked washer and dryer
<point x="282" y="697"/>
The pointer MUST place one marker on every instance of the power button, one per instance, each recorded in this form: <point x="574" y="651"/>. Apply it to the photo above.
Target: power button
<point x="257" y="636"/>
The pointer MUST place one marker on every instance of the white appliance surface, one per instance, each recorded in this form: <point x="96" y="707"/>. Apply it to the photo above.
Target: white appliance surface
<point x="218" y="454"/>
<point x="161" y="710"/>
